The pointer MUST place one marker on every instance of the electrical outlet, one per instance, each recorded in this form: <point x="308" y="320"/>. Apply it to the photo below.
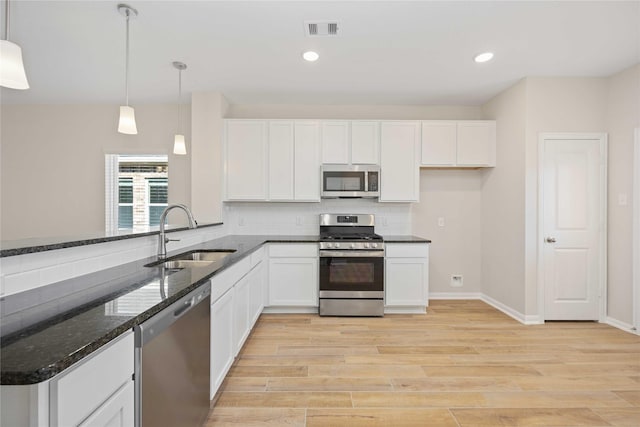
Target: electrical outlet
<point x="241" y="222"/>
<point x="441" y="221"/>
<point x="456" y="280"/>
<point x="385" y="222"/>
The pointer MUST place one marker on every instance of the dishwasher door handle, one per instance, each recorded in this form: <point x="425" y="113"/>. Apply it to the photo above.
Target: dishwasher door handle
<point x="187" y="305"/>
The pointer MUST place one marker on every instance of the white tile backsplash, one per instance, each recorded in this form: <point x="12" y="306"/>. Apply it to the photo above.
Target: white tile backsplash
<point x="303" y="218"/>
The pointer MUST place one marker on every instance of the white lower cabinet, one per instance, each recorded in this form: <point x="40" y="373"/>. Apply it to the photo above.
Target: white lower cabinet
<point x="406" y="277"/>
<point x="118" y="411"/>
<point x="241" y="327"/>
<point x="236" y="303"/>
<point x="293" y="275"/>
<point x="222" y="352"/>
<point x="98" y="391"/>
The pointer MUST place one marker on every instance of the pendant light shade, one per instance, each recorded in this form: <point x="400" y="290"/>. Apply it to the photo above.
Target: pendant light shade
<point x="127" y="123"/>
<point x="12" y="73"/>
<point x="179" y="144"/>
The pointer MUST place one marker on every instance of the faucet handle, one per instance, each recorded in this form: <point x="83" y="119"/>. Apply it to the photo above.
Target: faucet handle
<point x="167" y="240"/>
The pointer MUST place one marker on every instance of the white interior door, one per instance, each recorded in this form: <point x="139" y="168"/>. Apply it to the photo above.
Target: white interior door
<point x="573" y="226"/>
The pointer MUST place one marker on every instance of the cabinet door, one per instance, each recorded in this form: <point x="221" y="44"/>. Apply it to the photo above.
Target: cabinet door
<point x="116" y="412"/>
<point x="80" y="391"/>
<point x="307" y="161"/>
<point x="399" y="164"/>
<point x="476" y="143"/>
<point x="365" y="142"/>
<point x="240" y="314"/>
<point x="246" y="158"/>
<point x="335" y="142"/>
<point x="293" y="281"/>
<point x="406" y="281"/>
<point x="281" y="160"/>
<point x="222" y="353"/>
<point x="256" y="293"/>
<point x="439" y="143"/>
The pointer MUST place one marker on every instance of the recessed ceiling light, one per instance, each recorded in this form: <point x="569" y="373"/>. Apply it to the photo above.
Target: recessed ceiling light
<point x="483" y="57"/>
<point x="310" y="56"/>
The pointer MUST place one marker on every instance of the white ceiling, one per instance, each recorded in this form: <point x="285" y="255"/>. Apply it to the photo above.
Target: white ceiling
<point x="387" y="52"/>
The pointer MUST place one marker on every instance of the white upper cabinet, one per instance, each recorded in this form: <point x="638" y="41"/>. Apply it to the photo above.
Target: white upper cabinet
<point x="399" y="161"/>
<point x="450" y="143"/>
<point x="275" y="160"/>
<point x="365" y="142"/>
<point x="306" y="161"/>
<point x="350" y="142"/>
<point x="476" y="143"/>
<point x="281" y="169"/>
<point x="335" y="142"/>
<point x="246" y="159"/>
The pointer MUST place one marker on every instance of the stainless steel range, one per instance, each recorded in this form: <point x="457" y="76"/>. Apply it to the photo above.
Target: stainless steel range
<point x="351" y="266"/>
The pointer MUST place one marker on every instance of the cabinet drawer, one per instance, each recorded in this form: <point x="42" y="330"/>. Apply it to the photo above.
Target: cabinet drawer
<point x="407" y="250"/>
<point x="302" y="250"/>
<point x="222" y="282"/>
<point x="257" y="256"/>
<point x="78" y="393"/>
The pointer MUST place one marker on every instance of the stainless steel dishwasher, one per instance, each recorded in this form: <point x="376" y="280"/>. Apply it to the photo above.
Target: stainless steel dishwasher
<point x="172" y="364"/>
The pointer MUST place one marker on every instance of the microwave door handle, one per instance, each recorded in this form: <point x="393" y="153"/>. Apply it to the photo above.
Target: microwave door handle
<point x="366" y="181"/>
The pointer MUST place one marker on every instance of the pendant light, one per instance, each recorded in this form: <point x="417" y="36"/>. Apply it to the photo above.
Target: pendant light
<point x="179" y="145"/>
<point x="127" y="123"/>
<point x="12" y="73"/>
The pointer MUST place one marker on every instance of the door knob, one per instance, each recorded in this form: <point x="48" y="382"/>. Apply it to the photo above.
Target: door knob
<point x="550" y="239"/>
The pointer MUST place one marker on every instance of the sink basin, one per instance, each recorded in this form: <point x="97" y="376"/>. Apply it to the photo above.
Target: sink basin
<point x="193" y="259"/>
<point x="203" y="256"/>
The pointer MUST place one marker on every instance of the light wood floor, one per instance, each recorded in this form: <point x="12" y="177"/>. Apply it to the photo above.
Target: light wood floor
<point x="462" y="364"/>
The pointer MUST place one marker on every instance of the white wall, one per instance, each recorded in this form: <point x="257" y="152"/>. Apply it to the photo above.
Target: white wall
<point x="503" y="203"/>
<point x="554" y="105"/>
<point x="52" y="164"/>
<point x="454" y="195"/>
<point x="623" y="115"/>
<point x="207" y="111"/>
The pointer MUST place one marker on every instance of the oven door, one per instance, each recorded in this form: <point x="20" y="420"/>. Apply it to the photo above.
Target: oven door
<point x="352" y="274"/>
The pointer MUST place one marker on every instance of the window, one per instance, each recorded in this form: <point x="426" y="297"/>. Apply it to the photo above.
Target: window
<point x="158" y="196"/>
<point x="125" y="203"/>
<point x="137" y="191"/>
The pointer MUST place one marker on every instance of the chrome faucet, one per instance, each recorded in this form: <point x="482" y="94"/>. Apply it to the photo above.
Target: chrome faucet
<point x="163" y="240"/>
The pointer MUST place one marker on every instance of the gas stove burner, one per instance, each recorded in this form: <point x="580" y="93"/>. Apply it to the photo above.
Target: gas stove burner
<point x="355" y="237"/>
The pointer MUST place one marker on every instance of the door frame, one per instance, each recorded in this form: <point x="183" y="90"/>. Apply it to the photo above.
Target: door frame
<point x="636" y="231"/>
<point x="602" y="282"/>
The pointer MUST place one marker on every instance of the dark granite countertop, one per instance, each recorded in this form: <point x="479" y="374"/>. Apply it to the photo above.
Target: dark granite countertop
<point x="61" y="331"/>
<point x="28" y="246"/>
<point x="405" y="239"/>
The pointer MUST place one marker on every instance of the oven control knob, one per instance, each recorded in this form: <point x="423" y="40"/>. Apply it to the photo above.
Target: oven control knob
<point x="374" y="245"/>
<point x="366" y="245"/>
<point x="336" y="245"/>
<point x="353" y="246"/>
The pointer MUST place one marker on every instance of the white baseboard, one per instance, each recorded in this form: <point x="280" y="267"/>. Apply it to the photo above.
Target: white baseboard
<point x="405" y="310"/>
<point x="620" y="325"/>
<point x="455" y="295"/>
<point x="524" y="319"/>
<point x="290" y="310"/>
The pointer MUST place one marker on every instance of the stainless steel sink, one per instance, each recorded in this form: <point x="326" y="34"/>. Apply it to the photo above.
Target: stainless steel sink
<point x="204" y="256"/>
<point x="194" y="259"/>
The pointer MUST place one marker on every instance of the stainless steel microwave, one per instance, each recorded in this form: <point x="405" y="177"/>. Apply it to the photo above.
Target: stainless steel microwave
<point x="350" y="181"/>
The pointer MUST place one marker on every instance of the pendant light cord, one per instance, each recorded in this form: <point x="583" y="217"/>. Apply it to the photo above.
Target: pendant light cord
<point x="126" y="77"/>
<point x="6" y="20"/>
<point x="179" y="99"/>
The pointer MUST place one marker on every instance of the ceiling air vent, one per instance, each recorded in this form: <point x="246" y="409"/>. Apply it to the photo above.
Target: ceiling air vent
<point x="321" y="28"/>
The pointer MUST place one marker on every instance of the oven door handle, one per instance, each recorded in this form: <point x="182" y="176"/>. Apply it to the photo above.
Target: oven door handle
<point x="352" y="254"/>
